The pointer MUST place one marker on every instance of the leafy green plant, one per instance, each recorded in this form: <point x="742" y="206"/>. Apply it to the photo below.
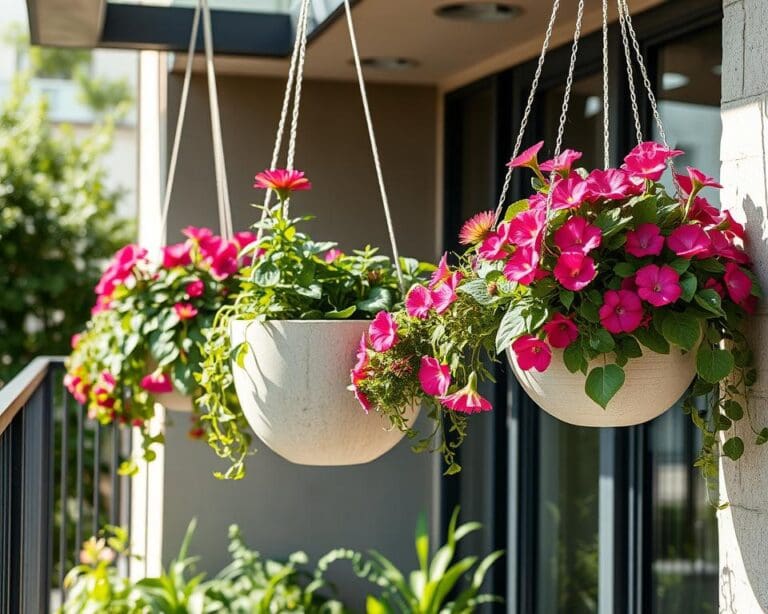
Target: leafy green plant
<point x="436" y="587"/>
<point x="289" y="277"/>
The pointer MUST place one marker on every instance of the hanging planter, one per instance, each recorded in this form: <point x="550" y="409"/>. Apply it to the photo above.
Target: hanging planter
<point x="142" y="344"/>
<point x="293" y="389"/>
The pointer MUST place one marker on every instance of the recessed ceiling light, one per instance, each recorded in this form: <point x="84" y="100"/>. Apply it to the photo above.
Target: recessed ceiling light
<point x="479" y="11"/>
<point x="389" y="63"/>
<point x="674" y="80"/>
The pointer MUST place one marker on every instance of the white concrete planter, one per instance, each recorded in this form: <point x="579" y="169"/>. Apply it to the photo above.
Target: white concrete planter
<point x="293" y="391"/>
<point x="654" y="382"/>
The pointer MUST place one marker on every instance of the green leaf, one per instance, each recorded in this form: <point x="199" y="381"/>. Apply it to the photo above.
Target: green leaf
<point x="602" y="341"/>
<point x="652" y="339"/>
<point x="733" y="448"/>
<point x="603" y="383"/>
<point x="573" y="357"/>
<point x="681" y="265"/>
<point x="624" y="269"/>
<point x="478" y="290"/>
<point x="512" y="325"/>
<point x="379" y="299"/>
<point x="681" y="329"/>
<point x="241" y="353"/>
<point x="688" y="284"/>
<point x="266" y="274"/>
<point x="733" y="410"/>
<point x="713" y="364"/>
<point x="630" y="347"/>
<point x="710" y="300"/>
<point x="762" y="437"/>
<point x="514" y="209"/>
<point x="566" y="298"/>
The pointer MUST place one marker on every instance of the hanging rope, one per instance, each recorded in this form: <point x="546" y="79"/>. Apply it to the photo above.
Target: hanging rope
<point x="222" y="191"/>
<point x="293" y="91"/>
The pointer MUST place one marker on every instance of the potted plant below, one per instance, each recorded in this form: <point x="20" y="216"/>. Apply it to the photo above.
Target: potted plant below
<point x="283" y="342"/>
<point x="142" y="344"/>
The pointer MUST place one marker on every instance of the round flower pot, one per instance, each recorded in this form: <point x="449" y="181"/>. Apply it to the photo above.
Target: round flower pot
<point x="175" y="400"/>
<point x="653" y="383"/>
<point x="293" y="390"/>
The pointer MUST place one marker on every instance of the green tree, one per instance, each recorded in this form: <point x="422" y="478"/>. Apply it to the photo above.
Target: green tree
<point x="57" y="226"/>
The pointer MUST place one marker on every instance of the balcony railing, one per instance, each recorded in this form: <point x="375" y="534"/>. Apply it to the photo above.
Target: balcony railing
<point x="59" y="484"/>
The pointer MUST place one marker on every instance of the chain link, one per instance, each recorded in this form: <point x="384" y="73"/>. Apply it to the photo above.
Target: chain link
<point x="606" y="105"/>
<point x="630" y="72"/>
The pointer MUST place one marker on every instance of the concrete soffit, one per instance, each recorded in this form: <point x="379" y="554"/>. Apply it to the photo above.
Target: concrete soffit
<point x="66" y="23"/>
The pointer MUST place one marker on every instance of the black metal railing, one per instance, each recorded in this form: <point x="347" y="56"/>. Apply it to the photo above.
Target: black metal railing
<point x="59" y="484"/>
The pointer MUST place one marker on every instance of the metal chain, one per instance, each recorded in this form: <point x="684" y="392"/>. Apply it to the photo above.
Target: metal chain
<point x="630" y="73"/>
<point x="528" y="107"/>
<point x="606" y="106"/>
<point x="566" y="102"/>
<point x="374" y="146"/>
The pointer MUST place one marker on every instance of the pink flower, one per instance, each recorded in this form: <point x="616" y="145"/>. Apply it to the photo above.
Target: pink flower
<point x="383" y="332"/>
<point x="197" y="234"/>
<point x="569" y="193"/>
<point x="649" y="160"/>
<point x="522" y="266"/>
<point x="363" y="399"/>
<point x="332" y="255"/>
<point x="220" y="255"/>
<point x="176" y="255"/>
<point x="722" y="244"/>
<point x="441" y="273"/>
<point x="120" y="268"/>
<point x="737" y="282"/>
<point x="185" y="311"/>
<point x="561" y="331"/>
<point x="444" y="295"/>
<point x="435" y="378"/>
<point x="418" y="302"/>
<point x="688" y="241"/>
<point x="577" y="235"/>
<point x="658" y="286"/>
<point x="243" y="239"/>
<point x="645" y="240"/>
<point x="467" y="400"/>
<point x="574" y="270"/>
<point x="75" y="339"/>
<point x="609" y="184"/>
<point x="695" y="181"/>
<point x="77" y="387"/>
<point x="282" y="181"/>
<point x="527" y="158"/>
<point x="561" y="163"/>
<point x="157" y="383"/>
<point x="713" y="284"/>
<point x="532" y="353"/>
<point x="195" y="288"/>
<point x="704" y="213"/>
<point x="103" y="303"/>
<point x="476" y="228"/>
<point x="360" y="370"/>
<point x="622" y="311"/>
<point x="526" y="228"/>
<point x="495" y="246"/>
<point x="734" y="227"/>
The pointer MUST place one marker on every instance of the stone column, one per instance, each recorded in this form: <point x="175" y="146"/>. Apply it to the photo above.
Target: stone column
<point x="743" y="526"/>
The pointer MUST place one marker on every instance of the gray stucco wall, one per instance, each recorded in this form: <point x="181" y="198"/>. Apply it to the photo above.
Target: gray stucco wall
<point x="283" y="507"/>
<point x="744" y="525"/>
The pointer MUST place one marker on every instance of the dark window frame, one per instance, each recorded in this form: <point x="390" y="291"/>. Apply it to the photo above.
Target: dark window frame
<point x="625" y="461"/>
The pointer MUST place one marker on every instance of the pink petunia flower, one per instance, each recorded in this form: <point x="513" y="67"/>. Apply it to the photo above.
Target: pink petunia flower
<point x="737" y="283"/>
<point x="494" y="247"/>
<point x="243" y="239"/>
<point x="176" y="255"/>
<point x="441" y="273"/>
<point x="688" y="241"/>
<point x="561" y="331"/>
<point x="360" y="370"/>
<point x="444" y="295"/>
<point x="282" y="181"/>
<point x="525" y="229"/>
<point x="220" y="255"/>
<point x="363" y="399"/>
<point x="531" y="353"/>
<point x="418" y="302"/>
<point x="195" y="288"/>
<point x="157" y="383"/>
<point x="75" y="339"/>
<point x="622" y="311"/>
<point x="578" y="235"/>
<point x="434" y="377"/>
<point x="658" y="286"/>
<point x="197" y="234"/>
<point x="714" y="284"/>
<point x="522" y="266"/>
<point x="574" y="270"/>
<point x="476" y="228"/>
<point x="569" y="193"/>
<point x="695" y="181"/>
<point x="120" y="268"/>
<point x="561" y="163"/>
<point x="383" y="332"/>
<point x="332" y="255"/>
<point x="648" y="160"/>
<point x="527" y="158"/>
<point x="467" y="400"/>
<point x="705" y="213"/>
<point x="722" y="244"/>
<point x="609" y="184"/>
<point x="185" y="311"/>
<point x="645" y="240"/>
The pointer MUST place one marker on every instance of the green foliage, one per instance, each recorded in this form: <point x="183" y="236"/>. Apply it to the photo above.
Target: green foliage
<point x="57" y="226"/>
<point x="290" y="277"/>
<point x="440" y="585"/>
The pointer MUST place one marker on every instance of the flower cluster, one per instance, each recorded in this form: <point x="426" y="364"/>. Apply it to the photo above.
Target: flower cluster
<point x="145" y="332"/>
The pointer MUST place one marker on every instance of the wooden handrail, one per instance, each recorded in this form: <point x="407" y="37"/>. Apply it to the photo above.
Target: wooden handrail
<point x="15" y="394"/>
